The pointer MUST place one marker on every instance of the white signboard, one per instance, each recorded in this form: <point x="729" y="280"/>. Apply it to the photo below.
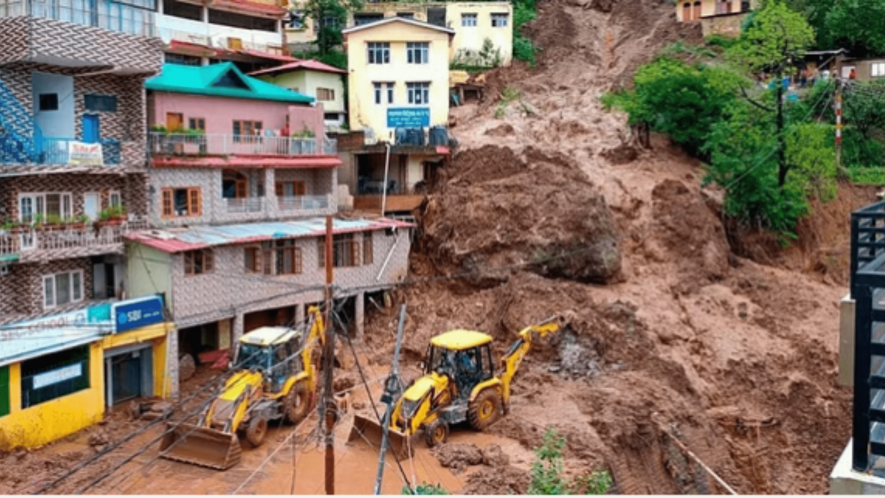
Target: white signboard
<point x="80" y="153"/>
<point x="58" y="375"/>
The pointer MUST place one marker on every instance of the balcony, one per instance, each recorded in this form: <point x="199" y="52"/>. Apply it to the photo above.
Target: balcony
<point x="134" y="18"/>
<point x="247" y="205"/>
<point x="211" y="144"/>
<point x="302" y="203"/>
<point x="263" y="208"/>
<point x="30" y="244"/>
<point x="53" y="151"/>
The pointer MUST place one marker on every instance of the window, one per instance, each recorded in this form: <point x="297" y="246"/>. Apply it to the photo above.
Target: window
<point x="196" y="124"/>
<point x="230" y="79"/>
<point x="290" y="189"/>
<point x="877" y="69"/>
<point x="48" y="102"/>
<point x="361" y="19"/>
<point x="103" y="103"/>
<point x="468" y="20"/>
<point x="330" y="116"/>
<point x="288" y="258"/>
<point x="252" y="257"/>
<point x="62" y="288"/>
<point x="419" y="93"/>
<point x="330" y="22"/>
<point x="4" y="391"/>
<point x="368" y="249"/>
<point x="417" y="52"/>
<point x="199" y="262"/>
<point x="246" y="128"/>
<point x="345" y="251"/>
<point x="379" y="53"/>
<point x="383" y="91"/>
<point x="184" y="60"/>
<point x="499" y="20"/>
<point x="55" y="375"/>
<point x="114" y="198"/>
<point x="44" y="206"/>
<point x="182" y="202"/>
<point x="295" y="19"/>
<point x="325" y="94"/>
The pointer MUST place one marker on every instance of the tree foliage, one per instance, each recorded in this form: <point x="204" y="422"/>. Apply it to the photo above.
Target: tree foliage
<point x="523" y="48"/>
<point x="775" y="37"/>
<point x="426" y="489"/>
<point x="329" y="16"/>
<point x="856" y="25"/>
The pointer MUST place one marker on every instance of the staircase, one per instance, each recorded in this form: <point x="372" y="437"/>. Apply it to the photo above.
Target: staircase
<point x="20" y="136"/>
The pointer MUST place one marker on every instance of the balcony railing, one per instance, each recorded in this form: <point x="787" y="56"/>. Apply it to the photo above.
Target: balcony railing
<point x="183" y="144"/>
<point x="302" y="202"/>
<point x="130" y="18"/>
<point x="23" y="242"/>
<point x="244" y="205"/>
<point x="57" y="151"/>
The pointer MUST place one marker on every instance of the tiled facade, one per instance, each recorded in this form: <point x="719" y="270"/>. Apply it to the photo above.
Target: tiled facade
<point x="317" y="181"/>
<point x="132" y="188"/>
<point x="22" y="289"/>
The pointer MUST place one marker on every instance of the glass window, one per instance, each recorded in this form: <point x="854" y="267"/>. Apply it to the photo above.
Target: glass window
<point x="419" y="93"/>
<point x="48" y="102"/>
<point x="468" y="20"/>
<point x="377" y="92"/>
<point x="114" y="198"/>
<point x="379" y="52"/>
<point x="499" y="20"/>
<point x="199" y="262"/>
<point x="62" y="288"/>
<point x="55" y="375"/>
<point x="390" y="93"/>
<point x="417" y="52"/>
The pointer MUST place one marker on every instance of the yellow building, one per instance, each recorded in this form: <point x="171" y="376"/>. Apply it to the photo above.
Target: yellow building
<point x="398" y="75"/>
<point x="719" y="17"/>
<point x="321" y="81"/>
<point x="59" y="373"/>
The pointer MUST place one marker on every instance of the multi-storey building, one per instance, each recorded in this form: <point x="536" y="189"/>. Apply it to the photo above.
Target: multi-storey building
<point x="72" y="183"/>
<point x="398" y="83"/>
<point x="242" y="178"/>
<point x="717" y="17"/>
<point x="321" y="81"/>
<point x="246" y="32"/>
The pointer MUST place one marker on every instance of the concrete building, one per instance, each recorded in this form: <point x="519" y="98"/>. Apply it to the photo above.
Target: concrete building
<point x="398" y="79"/>
<point x="323" y="82"/>
<point x="717" y="17"/>
<point x="60" y="373"/>
<point x="242" y="176"/>
<point x="246" y="32"/>
<point x="72" y="115"/>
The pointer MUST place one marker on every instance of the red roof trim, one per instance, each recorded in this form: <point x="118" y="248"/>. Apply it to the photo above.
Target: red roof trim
<point x="246" y="162"/>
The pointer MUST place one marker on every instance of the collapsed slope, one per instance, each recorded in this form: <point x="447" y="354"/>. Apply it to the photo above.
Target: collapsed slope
<point x="692" y="345"/>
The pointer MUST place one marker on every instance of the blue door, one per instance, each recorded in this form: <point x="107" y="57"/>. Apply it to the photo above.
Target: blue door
<point x="91" y="131"/>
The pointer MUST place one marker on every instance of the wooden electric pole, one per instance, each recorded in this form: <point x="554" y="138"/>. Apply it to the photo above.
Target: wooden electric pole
<point x="328" y="366"/>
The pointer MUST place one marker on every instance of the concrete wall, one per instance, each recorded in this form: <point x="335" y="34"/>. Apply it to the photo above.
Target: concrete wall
<point x="307" y="82"/>
<point x="220" y="113"/>
<point x="148" y="273"/>
<point x="723" y="25"/>
<point x="708" y="8"/>
<point x="207" y="298"/>
<point x="363" y="112"/>
<point x="176" y="28"/>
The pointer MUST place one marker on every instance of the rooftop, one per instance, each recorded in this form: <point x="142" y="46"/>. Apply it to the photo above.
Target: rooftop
<point x="220" y="80"/>
<point x="302" y="65"/>
<point x="390" y="20"/>
<point x="266" y="336"/>
<point x="461" y="339"/>
<point x="173" y="240"/>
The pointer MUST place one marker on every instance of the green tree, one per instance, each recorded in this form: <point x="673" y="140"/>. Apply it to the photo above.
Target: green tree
<point x="523" y="48"/>
<point x="856" y="25"/>
<point x="812" y="159"/>
<point x="546" y="472"/>
<point x="774" y="40"/>
<point x="329" y="16"/>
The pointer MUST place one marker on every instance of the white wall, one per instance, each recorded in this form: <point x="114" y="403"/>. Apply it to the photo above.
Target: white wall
<point x="58" y="123"/>
<point x="175" y="28"/>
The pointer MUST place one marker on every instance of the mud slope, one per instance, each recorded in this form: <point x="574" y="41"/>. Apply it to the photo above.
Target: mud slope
<point x="692" y="342"/>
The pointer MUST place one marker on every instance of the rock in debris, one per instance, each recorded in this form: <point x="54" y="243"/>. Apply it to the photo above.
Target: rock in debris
<point x="187" y="367"/>
<point x="98" y="438"/>
<point x="494" y="456"/>
<point x="458" y="456"/>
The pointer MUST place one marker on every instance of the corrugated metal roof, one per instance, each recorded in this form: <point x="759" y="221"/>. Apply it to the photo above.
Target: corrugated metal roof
<point x="174" y="240"/>
<point x="204" y="80"/>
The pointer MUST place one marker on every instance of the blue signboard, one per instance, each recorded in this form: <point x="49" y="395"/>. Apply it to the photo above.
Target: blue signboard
<point x="138" y="313"/>
<point x="408" y="117"/>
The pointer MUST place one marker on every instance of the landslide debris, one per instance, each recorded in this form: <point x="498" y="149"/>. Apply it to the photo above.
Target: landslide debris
<point x="498" y="209"/>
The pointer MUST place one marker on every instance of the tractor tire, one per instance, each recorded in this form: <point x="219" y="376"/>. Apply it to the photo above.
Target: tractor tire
<point x="256" y="430"/>
<point x="485" y="409"/>
<point x="296" y="405"/>
<point x="436" y="433"/>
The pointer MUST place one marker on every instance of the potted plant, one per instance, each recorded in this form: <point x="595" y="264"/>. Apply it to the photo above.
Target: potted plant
<point x="10" y="226"/>
<point x="116" y="214"/>
<point x="79" y="222"/>
<point x="39" y="221"/>
<point x="53" y="222"/>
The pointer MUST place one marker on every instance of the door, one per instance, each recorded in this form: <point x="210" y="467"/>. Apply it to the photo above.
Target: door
<point x="174" y="121"/>
<point x="91" y="129"/>
<point x="53" y="98"/>
<point x="697" y="11"/>
<point x="90" y="205"/>
<point x="126" y="376"/>
<point x="686" y="12"/>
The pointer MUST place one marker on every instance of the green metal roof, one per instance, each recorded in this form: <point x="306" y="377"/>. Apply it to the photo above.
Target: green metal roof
<point x="204" y="80"/>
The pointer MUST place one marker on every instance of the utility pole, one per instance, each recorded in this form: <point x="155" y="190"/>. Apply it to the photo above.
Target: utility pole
<point x="838" y="73"/>
<point x="328" y="366"/>
<point x="391" y="391"/>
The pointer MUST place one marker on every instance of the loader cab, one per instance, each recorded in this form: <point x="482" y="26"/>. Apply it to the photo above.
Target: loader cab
<point x="465" y="356"/>
<point x="273" y="351"/>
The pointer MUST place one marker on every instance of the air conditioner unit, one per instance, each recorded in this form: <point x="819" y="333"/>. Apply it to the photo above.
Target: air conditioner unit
<point x="234" y="43"/>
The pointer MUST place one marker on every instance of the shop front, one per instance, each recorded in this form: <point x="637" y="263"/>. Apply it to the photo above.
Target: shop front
<point x="59" y="373"/>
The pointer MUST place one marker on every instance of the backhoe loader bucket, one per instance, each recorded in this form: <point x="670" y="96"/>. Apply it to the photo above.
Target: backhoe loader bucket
<point x="368" y="430"/>
<point x="201" y="446"/>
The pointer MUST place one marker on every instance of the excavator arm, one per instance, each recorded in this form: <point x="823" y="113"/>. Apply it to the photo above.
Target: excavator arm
<point x="511" y="361"/>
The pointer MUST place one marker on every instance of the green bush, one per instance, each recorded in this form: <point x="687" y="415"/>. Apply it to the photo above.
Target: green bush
<point x="860" y="175"/>
<point x="547" y="472"/>
<point x="523" y="48"/>
<point x="426" y="489"/>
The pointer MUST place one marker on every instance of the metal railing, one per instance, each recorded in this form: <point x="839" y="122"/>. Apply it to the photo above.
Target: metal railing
<point x="244" y="205"/>
<point x="113" y="16"/>
<point x="302" y="202"/>
<point x="182" y="144"/>
<point x="21" y="241"/>
<point x="52" y="151"/>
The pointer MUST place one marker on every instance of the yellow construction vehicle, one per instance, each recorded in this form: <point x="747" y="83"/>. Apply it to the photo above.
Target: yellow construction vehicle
<point x="459" y="384"/>
<point x="275" y="379"/>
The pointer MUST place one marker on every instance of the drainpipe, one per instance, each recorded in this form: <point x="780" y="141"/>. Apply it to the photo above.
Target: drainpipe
<point x="384" y="188"/>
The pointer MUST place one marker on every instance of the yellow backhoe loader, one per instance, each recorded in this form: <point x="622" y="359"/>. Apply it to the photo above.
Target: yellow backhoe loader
<point x="459" y="384"/>
<point x="275" y="379"/>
